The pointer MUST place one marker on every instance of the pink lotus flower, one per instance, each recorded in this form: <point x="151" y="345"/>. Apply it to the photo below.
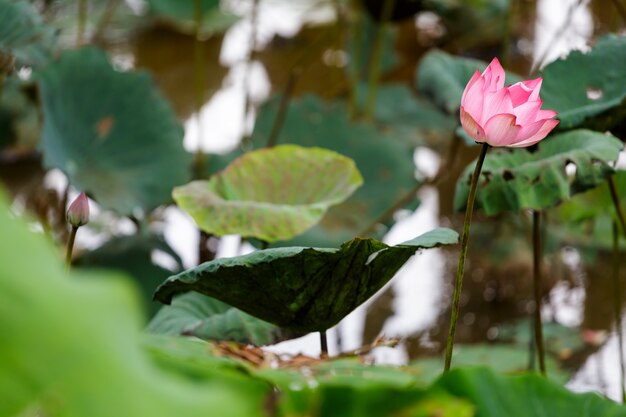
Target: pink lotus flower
<point x="504" y="116"/>
<point x="78" y="212"/>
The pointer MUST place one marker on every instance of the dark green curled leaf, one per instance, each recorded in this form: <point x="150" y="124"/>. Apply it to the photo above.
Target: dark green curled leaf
<point x="304" y="289"/>
<point x="518" y="179"/>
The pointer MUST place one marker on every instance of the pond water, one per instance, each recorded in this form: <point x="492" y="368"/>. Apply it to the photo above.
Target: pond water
<point x="415" y="304"/>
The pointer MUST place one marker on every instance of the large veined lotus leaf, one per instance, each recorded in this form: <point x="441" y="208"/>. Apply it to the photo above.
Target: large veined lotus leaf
<point x="195" y="314"/>
<point x="72" y="345"/>
<point x="584" y="85"/>
<point x="270" y="194"/>
<point x="443" y="77"/>
<point x="305" y="289"/>
<point x="23" y="34"/>
<point x="518" y="179"/>
<point x="384" y="159"/>
<point x="523" y="396"/>
<point x="111" y="132"/>
<point x="181" y="14"/>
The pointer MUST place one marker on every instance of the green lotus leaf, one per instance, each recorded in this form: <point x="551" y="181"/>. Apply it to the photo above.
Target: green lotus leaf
<point x="443" y="77"/>
<point x="23" y="34"/>
<point x="385" y="160"/>
<point x="181" y="14"/>
<point x="518" y="179"/>
<point x="586" y="85"/>
<point x="194" y="314"/>
<point x="72" y="344"/>
<point x="523" y="396"/>
<point x="271" y="194"/>
<point x="304" y="289"/>
<point x="110" y="132"/>
<point x="349" y="388"/>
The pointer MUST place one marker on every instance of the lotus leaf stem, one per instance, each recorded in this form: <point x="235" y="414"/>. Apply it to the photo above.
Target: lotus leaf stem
<point x="537" y="291"/>
<point x="617" y="309"/>
<point x="375" y="63"/>
<point x="615" y="199"/>
<point x="323" y="344"/>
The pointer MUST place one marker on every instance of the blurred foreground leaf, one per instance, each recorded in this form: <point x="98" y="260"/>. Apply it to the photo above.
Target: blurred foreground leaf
<point x="523" y="396"/>
<point x="71" y="345"/>
<point x="111" y="132"/>
<point x="518" y="179"/>
<point x="307" y="289"/>
<point x="194" y="314"/>
<point x="271" y="194"/>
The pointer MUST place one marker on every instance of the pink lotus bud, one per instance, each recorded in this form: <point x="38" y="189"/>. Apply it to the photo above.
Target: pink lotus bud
<point x="504" y="116"/>
<point x="78" y="213"/>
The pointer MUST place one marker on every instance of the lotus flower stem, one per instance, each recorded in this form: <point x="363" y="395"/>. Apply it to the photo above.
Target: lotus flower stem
<point x="323" y="344"/>
<point x="615" y="199"/>
<point x="375" y="63"/>
<point x="617" y="309"/>
<point x="456" y="300"/>
<point x="537" y="291"/>
<point x="70" y="247"/>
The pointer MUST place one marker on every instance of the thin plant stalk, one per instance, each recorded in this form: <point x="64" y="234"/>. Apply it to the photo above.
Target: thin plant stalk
<point x="198" y="64"/>
<point x="539" y="343"/>
<point x="82" y="19"/>
<point x="70" y="247"/>
<point x="375" y="63"/>
<point x="355" y="33"/>
<point x="617" y="310"/>
<point x="456" y="300"/>
<point x="616" y="204"/>
<point x="254" y="18"/>
<point x="324" y="344"/>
